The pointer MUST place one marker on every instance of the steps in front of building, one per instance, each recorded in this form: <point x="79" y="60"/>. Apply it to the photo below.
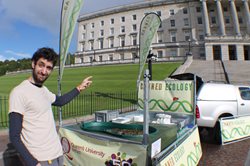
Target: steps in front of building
<point x="207" y="70"/>
<point x="238" y="71"/>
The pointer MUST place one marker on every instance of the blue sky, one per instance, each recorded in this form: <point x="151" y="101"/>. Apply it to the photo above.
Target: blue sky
<point x="31" y="24"/>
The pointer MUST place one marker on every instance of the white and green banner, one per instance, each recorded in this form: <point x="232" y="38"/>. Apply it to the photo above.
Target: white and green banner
<point x="187" y="153"/>
<point x="149" y="26"/>
<point x="169" y="96"/>
<point x="235" y="128"/>
<point x="80" y="149"/>
<point x="69" y="15"/>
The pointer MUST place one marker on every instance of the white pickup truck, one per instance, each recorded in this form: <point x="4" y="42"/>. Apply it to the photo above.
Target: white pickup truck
<point x="215" y="100"/>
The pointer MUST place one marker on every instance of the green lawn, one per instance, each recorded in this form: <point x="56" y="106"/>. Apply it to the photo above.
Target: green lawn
<point x="114" y="87"/>
<point x="111" y="78"/>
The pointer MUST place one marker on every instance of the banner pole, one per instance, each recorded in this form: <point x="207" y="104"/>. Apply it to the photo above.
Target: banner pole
<point x="59" y="69"/>
<point x="146" y="108"/>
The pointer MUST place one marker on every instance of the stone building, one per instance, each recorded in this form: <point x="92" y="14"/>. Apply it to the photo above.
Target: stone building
<point x="207" y="29"/>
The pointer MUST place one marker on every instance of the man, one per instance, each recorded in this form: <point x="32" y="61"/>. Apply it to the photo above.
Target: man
<point x="32" y="127"/>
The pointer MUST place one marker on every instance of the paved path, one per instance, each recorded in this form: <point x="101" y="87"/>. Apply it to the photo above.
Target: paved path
<point x="235" y="154"/>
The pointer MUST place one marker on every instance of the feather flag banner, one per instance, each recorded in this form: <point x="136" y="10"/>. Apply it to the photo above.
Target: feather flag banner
<point x="69" y="15"/>
<point x="149" y="26"/>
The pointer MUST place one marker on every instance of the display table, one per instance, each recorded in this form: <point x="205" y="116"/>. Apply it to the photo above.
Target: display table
<point x="76" y="142"/>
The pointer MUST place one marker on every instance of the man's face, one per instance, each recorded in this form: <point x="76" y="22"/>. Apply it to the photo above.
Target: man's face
<point x="41" y="70"/>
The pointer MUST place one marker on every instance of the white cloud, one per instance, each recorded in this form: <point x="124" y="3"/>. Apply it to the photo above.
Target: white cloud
<point x="22" y="55"/>
<point x="42" y="13"/>
<point x="3" y="58"/>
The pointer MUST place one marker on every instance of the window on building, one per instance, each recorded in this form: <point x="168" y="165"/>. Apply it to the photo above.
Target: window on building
<point x="102" y="23"/>
<point x="92" y="35"/>
<point x="134" y="16"/>
<point x="211" y="10"/>
<point x="100" y="58"/>
<point x="159" y="37"/>
<point x="134" y="55"/>
<point x="134" y="40"/>
<point x="83" y="36"/>
<point x="186" y="22"/>
<point x="92" y="25"/>
<point x="173" y="52"/>
<point x="83" y="47"/>
<point x="101" y="32"/>
<point x="199" y="20"/>
<point x="238" y="8"/>
<point x="111" y="42"/>
<point x="112" y="21"/>
<point x="112" y="30"/>
<point x="227" y="19"/>
<point x="173" y="36"/>
<point x="185" y="11"/>
<point x="187" y="35"/>
<point x="198" y="9"/>
<point x="134" y="27"/>
<point x="101" y="43"/>
<point x="90" y="59"/>
<point x="122" y="29"/>
<point x="172" y="23"/>
<point x="213" y="20"/>
<point x="83" y="27"/>
<point x="111" y="57"/>
<point x="159" y="13"/>
<point x="171" y="12"/>
<point x="81" y="60"/>
<point x="122" y="41"/>
<point x="91" y="45"/>
<point x="122" y="56"/>
<point x="240" y="20"/>
<point x="160" y="54"/>
<point x="122" y="19"/>
<point x="201" y="37"/>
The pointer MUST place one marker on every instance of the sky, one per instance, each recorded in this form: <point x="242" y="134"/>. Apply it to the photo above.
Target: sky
<point x="28" y="25"/>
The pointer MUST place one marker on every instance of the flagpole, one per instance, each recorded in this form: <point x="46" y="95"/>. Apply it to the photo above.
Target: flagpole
<point x="59" y="71"/>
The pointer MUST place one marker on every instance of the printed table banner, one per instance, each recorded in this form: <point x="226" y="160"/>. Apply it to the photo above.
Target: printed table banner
<point x="187" y="153"/>
<point x="80" y="149"/>
<point x="170" y="95"/>
<point x="234" y="128"/>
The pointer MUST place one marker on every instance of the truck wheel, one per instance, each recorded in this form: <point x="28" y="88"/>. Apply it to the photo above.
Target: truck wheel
<point x="217" y="133"/>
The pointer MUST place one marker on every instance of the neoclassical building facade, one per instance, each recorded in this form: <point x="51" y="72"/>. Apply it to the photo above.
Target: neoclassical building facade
<point x="207" y="29"/>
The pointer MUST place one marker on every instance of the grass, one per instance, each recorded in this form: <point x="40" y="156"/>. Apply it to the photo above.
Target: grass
<point x="110" y="83"/>
<point x="111" y="78"/>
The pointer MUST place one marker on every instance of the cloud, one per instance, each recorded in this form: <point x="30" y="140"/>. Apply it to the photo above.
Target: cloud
<point x="18" y="54"/>
<point x="3" y="58"/>
<point x="43" y="13"/>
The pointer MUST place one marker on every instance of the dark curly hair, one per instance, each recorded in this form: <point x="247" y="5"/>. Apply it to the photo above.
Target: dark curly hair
<point x="47" y="53"/>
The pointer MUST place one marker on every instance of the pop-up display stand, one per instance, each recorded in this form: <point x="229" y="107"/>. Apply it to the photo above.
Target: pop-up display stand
<point x="162" y="131"/>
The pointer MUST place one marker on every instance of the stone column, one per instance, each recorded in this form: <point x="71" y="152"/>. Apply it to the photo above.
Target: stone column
<point x="209" y="51"/>
<point x="221" y="17"/>
<point x="240" y="52"/>
<point x="224" y="52"/>
<point x="246" y="7"/>
<point x="206" y="17"/>
<point x="235" y="18"/>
